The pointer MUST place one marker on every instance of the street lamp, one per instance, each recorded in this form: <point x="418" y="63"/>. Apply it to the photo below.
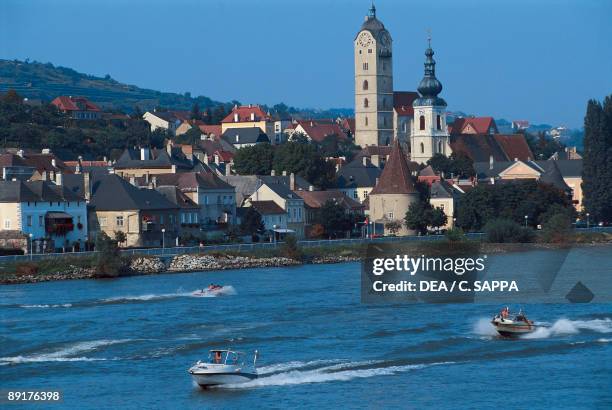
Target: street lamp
<point x="526" y="217"/>
<point x="31" y="247"/>
<point x="274" y="234"/>
<point x="163" y="238"/>
<point x="588" y="214"/>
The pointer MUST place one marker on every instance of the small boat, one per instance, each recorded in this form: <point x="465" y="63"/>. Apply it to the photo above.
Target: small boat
<point x="512" y="327"/>
<point x="224" y="367"/>
<point x="211" y="290"/>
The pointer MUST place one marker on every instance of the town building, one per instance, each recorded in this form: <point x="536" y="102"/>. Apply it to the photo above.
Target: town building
<point x="314" y="200"/>
<point x="390" y="199"/>
<point x="318" y="130"/>
<point x="250" y="116"/>
<point x="137" y="162"/>
<point x="357" y="178"/>
<point x="165" y="120"/>
<point x="288" y="200"/>
<point x="146" y="217"/>
<point x="55" y="216"/>
<point x="244" y="137"/>
<point x="77" y="108"/>
<point x="273" y="216"/>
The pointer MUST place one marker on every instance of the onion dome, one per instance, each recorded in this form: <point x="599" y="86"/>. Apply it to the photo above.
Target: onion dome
<point x="430" y="86"/>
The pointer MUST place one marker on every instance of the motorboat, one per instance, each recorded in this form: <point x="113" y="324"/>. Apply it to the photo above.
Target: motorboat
<point x="211" y="290"/>
<point x="224" y="367"/>
<point x="512" y="326"/>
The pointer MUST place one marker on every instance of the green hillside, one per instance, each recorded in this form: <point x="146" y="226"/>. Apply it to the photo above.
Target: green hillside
<point x="36" y="80"/>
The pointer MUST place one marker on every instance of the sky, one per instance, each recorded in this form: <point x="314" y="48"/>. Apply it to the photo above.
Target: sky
<point x="539" y="60"/>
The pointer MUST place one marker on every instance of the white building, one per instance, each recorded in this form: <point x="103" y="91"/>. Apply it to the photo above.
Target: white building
<point x="54" y="215"/>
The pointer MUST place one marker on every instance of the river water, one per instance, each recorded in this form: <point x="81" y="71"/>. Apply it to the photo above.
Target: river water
<point x="128" y="343"/>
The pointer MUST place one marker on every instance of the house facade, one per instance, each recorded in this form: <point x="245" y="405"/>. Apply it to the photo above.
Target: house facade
<point x="78" y="108"/>
<point x="286" y="199"/>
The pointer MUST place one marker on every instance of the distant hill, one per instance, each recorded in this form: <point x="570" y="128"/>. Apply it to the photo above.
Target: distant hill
<point x="45" y="81"/>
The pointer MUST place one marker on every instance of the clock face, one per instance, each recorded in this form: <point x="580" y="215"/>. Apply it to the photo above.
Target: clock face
<point x="385" y="40"/>
<point x="364" y="39"/>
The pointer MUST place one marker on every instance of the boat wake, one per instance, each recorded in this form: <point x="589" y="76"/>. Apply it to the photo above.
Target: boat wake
<point x="293" y="373"/>
<point x="68" y="353"/>
<point x="225" y="291"/>
<point x="563" y="327"/>
<point x="206" y="293"/>
<point x="62" y="305"/>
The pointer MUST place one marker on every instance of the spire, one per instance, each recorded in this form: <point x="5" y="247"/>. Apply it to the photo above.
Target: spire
<point x="396" y="176"/>
<point x="372" y="10"/>
<point x="430" y="86"/>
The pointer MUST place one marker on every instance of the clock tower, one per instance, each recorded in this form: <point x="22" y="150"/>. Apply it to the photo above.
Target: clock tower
<point x="373" y="83"/>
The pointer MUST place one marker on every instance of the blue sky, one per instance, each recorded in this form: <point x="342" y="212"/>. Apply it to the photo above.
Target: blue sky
<point x="537" y="60"/>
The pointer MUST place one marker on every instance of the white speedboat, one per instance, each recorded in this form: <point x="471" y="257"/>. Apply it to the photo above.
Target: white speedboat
<point x="223" y="367"/>
<point x="212" y="290"/>
<point x="512" y="327"/>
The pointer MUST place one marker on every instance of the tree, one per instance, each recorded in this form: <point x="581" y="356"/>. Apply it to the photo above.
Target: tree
<point x="251" y="222"/>
<point x="291" y="249"/>
<point x="120" y="237"/>
<point x="196" y="114"/>
<point x="108" y="259"/>
<point x="191" y="137"/>
<point x="597" y="160"/>
<point x="254" y="160"/>
<point x="457" y="165"/>
<point x="333" y="218"/>
<point x="393" y="227"/>
<point x="421" y="216"/>
<point x="557" y="229"/>
<point x="304" y="160"/>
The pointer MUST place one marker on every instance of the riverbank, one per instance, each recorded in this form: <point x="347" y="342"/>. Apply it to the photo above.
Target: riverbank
<point x="74" y="267"/>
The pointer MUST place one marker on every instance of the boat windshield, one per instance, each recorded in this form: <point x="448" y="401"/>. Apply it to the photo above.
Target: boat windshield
<point x="225" y="357"/>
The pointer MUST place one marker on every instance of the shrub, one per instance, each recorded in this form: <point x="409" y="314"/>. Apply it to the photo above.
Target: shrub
<point x="507" y="231"/>
<point x="557" y="228"/>
<point x="455" y="235"/>
<point x="291" y="248"/>
<point x="26" y="269"/>
<point x="109" y="263"/>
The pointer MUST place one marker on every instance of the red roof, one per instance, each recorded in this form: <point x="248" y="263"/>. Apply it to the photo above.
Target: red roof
<point x="395" y="177"/>
<point x="316" y="199"/>
<point x="267" y="208"/>
<point x="475" y="125"/>
<point x="225" y="156"/>
<point x="210" y="129"/>
<point x="515" y="146"/>
<point x="69" y="103"/>
<point x="244" y="114"/>
<point x="402" y="102"/>
<point x="318" y="130"/>
<point x="348" y="124"/>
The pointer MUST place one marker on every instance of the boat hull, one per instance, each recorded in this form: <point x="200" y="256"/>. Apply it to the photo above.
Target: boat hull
<point x="216" y="379"/>
<point x="513" y="329"/>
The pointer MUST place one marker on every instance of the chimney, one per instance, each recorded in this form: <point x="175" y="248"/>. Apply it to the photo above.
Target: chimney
<point x="77" y="169"/>
<point x="377" y="180"/>
<point x="105" y="159"/>
<point x="53" y="162"/>
<point x="228" y="169"/>
<point x="87" y="186"/>
<point x="375" y="158"/>
<point x="59" y="179"/>
<point x="515" y="159"/>
<point x="144" y="154"/>
<point x="133" y="181"/>
<point x="147" y="178"/>
<point x="273" y="173"/>
<point x="205" y="157"/>
<point x="236" y="119"/>
<point x="491" y="161"/>
<point x="284" y="173"/>
<point x="338" y="166"/>
<point x="169" y="148"/>
<point x="217" y="159"/>
<point x="292" y="181"/>
<point x="154" y="181"/>
<point x="252" y="116"/>
<point x="365" y="161"/>
<point x="310" y="188"/>
<point x="43" y="176"/>
<point x="20" y="153"/>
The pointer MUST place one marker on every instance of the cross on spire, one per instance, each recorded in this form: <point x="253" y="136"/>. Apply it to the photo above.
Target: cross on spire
<point x="372" y="10"/>
<point x="429" y="37"/>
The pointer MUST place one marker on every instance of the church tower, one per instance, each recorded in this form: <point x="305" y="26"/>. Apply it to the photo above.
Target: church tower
<point x="429" y="131"/>
<point x="373" y="83"/>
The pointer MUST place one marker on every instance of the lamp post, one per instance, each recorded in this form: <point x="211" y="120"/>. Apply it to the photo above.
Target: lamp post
<point x="526" y="217"/>
<point x="31" y="247"/>
<point x="163" y="238"/>
<point x="274" y="234"/>
<point x="588" y="220"/>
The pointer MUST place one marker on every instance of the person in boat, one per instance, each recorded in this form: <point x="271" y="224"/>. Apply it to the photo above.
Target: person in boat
<point x="505" y="312"/>
<point x="217" y="357"/>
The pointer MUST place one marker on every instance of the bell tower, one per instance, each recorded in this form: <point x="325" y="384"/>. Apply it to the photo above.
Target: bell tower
<point x="373" y="83"/>
<point x="429" y="131"/>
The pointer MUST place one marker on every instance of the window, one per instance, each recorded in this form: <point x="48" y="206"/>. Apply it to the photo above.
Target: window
<point x="369" y="51"/>
<point x="29" y="220"/>
<point x="161" y="219"/>
<point x="78" y="219"/>
<point x="365" y="84"/>
<point x="404" y="128"/>
<point x="183" y="218"/>
<point x="365" y="66"/>
<point x="384" y="66"/>
<point x="206" y="200"/>
<point x="440" y="147"/>
<point x="365" y="103"/>
<point x="355" y="195"/>
<point x="119" y="220"/>
<point x="384" y="103"/>
<point x="102" y="221"/>
<point x="7" y="224"/>
<point x="365" y="195"/>
<point x="422" y="148"/>
<point x="438" y="122"/>
<point x="422" y="122"/>
<point x="390" y="215"/>
<point x="41" y="220"/>
<point x="366" y="121"/>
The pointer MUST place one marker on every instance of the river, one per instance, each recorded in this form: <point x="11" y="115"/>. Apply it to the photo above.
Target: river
<point x="128" y="343"/>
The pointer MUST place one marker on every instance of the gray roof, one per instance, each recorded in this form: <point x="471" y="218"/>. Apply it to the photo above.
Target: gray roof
<point x="283" y="191"/>
<point x="36" y="191"/>
<point x="300" y="183"/>
<point x="250" y="135"/>
<point x="442" y="189"/>
<point x="356" y="175"/>
<point x="245" y="185"/>
<point x="159" y="158"/>
<point x="174" y="195"/>
<point x="568" y="167"/>
<point x="113" y="193"/>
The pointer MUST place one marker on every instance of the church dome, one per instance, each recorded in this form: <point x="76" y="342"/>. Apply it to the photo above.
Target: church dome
<point x="372" y="24"/>
<point x="430" y="86"/>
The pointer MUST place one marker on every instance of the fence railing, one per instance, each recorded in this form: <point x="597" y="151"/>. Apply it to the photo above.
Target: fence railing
<point x="179" y="250"/>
